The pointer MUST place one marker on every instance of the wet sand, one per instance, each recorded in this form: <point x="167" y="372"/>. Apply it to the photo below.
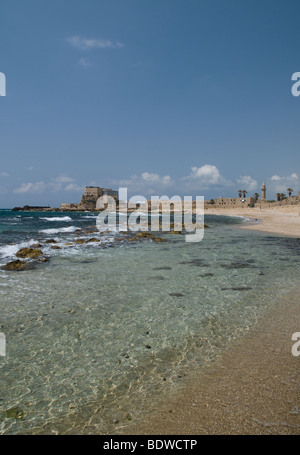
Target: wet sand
<point x="253" y="388"/>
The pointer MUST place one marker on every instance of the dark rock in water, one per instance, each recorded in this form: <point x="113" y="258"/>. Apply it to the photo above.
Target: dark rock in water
<point x="31" y="253"/>
<point x="90" y="230"/>
<point x="238" y="265"/>
<point x="124" y="354"/>
<point x="159" y="278"/>
<point x="147" y="346"/>
<point x="14" y="413"/>
<point x="44" y="259"/>
<point x="145" y="235"/>
<point x="206" y="274"/>
<point x="16" y="266"/>
<point x="162" y="268"/>
<point x="56" y="247"/>
<point x="80" y="241"/>
<point x="159" y="239"/>
<point x="176" y="294"/>
<point x="51" y="241"/>
<point x="196" y="262"/>
<point x="93" y="240"/>
<point x="36" y="245"/>
<point x="237" y="288"/>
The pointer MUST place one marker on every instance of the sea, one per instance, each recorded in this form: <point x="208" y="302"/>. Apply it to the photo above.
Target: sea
<point x="102" y="329"/>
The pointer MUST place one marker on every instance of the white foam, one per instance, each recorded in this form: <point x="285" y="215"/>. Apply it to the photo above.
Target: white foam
<point x="10" y="250"/>
<point x="59" y="230"/>
<point x="56" y="218"/>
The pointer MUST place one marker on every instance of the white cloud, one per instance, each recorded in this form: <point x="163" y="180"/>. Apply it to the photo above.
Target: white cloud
<point x="62" y="179"/>
<point x="279" y="184"/>
<point x="85" y="62"/>
<point x="155" y="178"/>
<point x="4" y="174"/>
<point x="248" y="183"/>
<point x="38" y="187"/>
<point x="74" y="187"/>
<point x="91" y="43"/>
<point x="204" y="178"/>
<point x="61" y="183"/>
<point x="145" y="183"/>
<point x="208" y="173"/>
<point x="276" y="178"/>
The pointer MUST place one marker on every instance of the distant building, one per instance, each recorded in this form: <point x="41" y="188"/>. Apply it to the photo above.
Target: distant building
<point x="263" y="192"/>
<point x="234" y="202"/>
<point x="90" y="197"/>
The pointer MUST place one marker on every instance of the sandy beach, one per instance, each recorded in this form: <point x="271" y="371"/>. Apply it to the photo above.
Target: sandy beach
<point x="252" y="388"/>
<point x="276" y="220"/>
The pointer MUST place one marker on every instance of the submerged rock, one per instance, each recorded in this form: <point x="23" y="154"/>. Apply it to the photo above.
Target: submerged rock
<point x="51" y="241"/>
<point x="196" y="262"/>
<point x="14" y="413"/>
<point x="31" y="253"/>
<point x="80" y="241"/>
<point x="237" y="288"/>
<point x="44" y="259"/>
<point x="159" y="278"/>
<point x="16" y="266"/>
<point x="93" y="240"/>
<point x="176" y="294"/>
<point x="159" y="239"/>
<point x="36" y="245"/>
<point x="146" y="235"/>
<point x="90" y="230"/>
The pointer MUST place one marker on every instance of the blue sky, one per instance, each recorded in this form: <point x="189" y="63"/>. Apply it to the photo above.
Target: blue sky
<point x="185" y="97"/>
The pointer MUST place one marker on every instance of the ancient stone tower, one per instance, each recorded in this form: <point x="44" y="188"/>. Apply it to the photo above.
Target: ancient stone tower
<point x="263" y="192"/>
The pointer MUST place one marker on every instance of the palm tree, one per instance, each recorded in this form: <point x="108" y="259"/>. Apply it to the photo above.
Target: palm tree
<point x="240" y="193"/>
<point x="256" y="195"/>
<point x="280" y="196"/>
<point x="244" y="192"/>
<point x="290" y="190"/>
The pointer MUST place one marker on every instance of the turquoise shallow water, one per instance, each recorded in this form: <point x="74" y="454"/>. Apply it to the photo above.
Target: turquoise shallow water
<point x="99" y="330"/>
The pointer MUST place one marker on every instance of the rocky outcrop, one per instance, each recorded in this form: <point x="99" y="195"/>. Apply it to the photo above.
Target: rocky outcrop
<point x="15" y="266"/>
<point x="31" y="253"/>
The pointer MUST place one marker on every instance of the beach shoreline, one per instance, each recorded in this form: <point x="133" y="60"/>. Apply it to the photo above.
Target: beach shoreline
<point x="275" y="220"/>
<point x="250" y="389"/>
